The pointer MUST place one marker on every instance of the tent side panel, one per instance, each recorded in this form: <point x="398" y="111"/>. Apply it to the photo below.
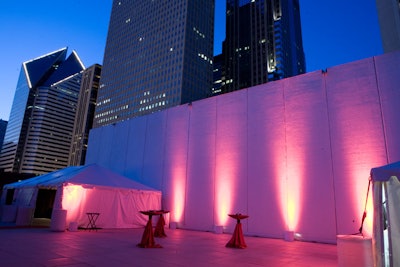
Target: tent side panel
<point x="25" y="196"/>
<point x="393" y="199"/>
<point x="118" y="208"/>
<point x="377" y="241"/>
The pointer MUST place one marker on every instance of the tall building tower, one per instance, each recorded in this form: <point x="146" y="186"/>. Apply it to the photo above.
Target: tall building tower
<point x="3" y="127"/>
<point x="389" y="22"/>
<point x="263" y="42"/>
<point x="218" y="74"/>
<point x="84" y="114"/>
<point x="158" y="54"/>
<point x="38" y="134"/>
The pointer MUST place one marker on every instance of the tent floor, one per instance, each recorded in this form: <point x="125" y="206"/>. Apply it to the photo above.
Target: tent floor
<point x="44" y="222"/>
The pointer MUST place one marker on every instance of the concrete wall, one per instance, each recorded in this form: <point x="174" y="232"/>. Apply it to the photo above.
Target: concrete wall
<point x="293" y="154"/>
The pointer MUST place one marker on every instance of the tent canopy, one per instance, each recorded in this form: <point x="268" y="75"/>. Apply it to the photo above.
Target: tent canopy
<point x="90" y="175"/>
<point x="384" y="173"/>
<point x="84" y="189"/>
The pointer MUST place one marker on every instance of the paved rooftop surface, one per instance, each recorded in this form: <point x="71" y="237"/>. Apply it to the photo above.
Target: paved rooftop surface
<point x="117" y="247"/>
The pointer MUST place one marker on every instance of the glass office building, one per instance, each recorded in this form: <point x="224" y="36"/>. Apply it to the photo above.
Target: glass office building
<point x="263" y="42"/>
<point x="84" y="114"/>
<point x="38" y="134"/>
<point x="3" y="127"/>
<point x="389" y="22"/>
<point x="158" y="54"/>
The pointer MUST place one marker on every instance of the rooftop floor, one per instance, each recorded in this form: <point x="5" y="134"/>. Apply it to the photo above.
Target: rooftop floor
<point x="117" y="247"/>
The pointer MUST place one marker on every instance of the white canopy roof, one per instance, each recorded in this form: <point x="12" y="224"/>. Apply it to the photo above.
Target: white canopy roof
<point x="91" y="175"/>
<point x="384" y="173"/>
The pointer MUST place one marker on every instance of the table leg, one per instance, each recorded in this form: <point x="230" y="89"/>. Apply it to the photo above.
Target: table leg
<point x="159" y="230"/>
<point x="237" y="240"/>
<point x="148" y="237"/>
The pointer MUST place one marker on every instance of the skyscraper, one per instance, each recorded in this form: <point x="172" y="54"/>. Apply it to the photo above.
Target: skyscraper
<point x="3" y="127"/>
<point x="158" y="54"/>
<point x="84" y="115"/>
<point x="263" y="42"/>
<point x="389" y="22"/>
<point x="38" y="134"/>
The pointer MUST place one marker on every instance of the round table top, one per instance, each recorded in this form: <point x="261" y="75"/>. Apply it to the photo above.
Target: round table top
<point x="238" y="216"/>
<point x="153" y="212"/>
<point x="150" y="212"/>
<point x="163" y="211"/>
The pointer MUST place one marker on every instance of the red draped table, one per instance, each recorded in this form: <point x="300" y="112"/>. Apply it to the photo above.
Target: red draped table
<point x="148" y="235"/>
<point x="237" y="240"/>
<point x="159" y="230"/>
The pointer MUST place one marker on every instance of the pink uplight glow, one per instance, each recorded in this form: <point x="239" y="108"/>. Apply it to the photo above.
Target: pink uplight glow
<point x="223" y="191"/>
<point x="178" y="195"/>
<point x="73" y="198"/>
<point x="359" y="199"/>
<point x="293" y="194"/>
<point x="358" y="167"/>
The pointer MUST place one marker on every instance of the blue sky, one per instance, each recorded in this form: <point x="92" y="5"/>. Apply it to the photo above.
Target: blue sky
<point x="334" y="33"/>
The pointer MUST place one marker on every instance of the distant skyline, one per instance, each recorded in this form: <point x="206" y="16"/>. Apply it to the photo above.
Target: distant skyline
<point x="334" y="33"/>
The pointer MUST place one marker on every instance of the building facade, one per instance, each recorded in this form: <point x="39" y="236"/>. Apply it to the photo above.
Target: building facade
<point x="38" y="135"/>
<point x="84" y="114"/>
<point x="158" y="54"/>
<point x="263" y="42"/>
<point x="389" y="22"/>
<point x="3" y="127"/>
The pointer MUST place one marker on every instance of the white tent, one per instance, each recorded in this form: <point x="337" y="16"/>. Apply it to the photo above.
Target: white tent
<point x="84" y="189"/>
<point x="386" y="236"/>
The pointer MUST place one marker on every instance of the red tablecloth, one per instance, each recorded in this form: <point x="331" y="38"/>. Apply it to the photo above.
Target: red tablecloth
<point x="148" y="236"/>
<point x="237" y="240"/>
<point x="159" y="230"/>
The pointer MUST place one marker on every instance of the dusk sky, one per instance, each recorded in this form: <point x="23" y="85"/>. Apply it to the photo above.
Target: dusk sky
<point x="334" y="33"/>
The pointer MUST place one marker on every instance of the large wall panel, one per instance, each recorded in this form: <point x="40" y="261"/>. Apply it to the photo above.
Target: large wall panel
<point x="94" y="147"/>
<point x="231" y="185"/>
<point x="135" y="147"/>
<point x="200" y="197"/>
<point x="175" y="162"/>
<point x="119" y="147"/>
<point x="311" y="206"/>
<point x="153" y="158"/>
<point x="103" y="146"/>
<point x="293" y="154"/>
<point x="357" y="137"/>
<point x="266" y="160"/>
<point x="388" y="78"/>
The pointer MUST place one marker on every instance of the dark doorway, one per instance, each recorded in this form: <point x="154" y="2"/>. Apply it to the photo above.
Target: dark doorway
<point x="10" y="196"/>
<point x="44" y="203"/>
